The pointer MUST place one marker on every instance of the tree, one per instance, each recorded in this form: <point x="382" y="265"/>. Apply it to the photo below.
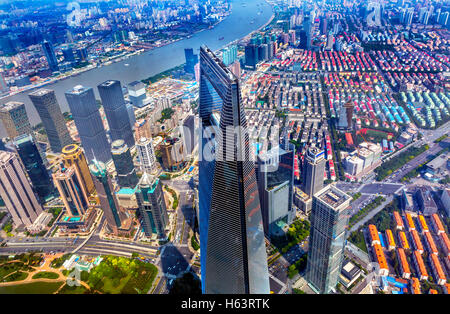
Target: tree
<point x="187" y="284"/>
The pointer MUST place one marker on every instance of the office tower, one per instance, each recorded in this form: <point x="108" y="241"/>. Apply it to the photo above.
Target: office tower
<point x="146" y="154"/>
<point x="50" y="56"/>
<point x="438" y="15"/>
<point x="131" y="115"/>
<point x="191" y="60"/>
<point x="313" y="171"/>
<point x="126" y="174"/>
<point x="188" y="134"/>
<point x="426" y="17"/>
<point x="68" y="54"/>
<point x="3" y="86"/>
<point x="233" y="255"/>
<point x="172" y="154"/>
<point x="81" y="54"/>
<point x="31" y="159"/>
<point x="15" y="119"/>
<point x="251" y="56"/>
<point x="136" y="93"/>
<point x="275" y="184"/>
<point x="346" y="116"/>
<point x="44" y="100"/>
<point x="152" y="206"/>
<point x="105" y="193"/>
<point x="443" y="18"/>
<point x="329" y="219"/>
<point x="72" y="155"/>
<point x="68" y="181"/>
<point x="85" y="113"/>
<point x="16" y="191"/>
<point x="116" y="111"/>
<point x="330" y="40"/>
<point x="409" y="16"/>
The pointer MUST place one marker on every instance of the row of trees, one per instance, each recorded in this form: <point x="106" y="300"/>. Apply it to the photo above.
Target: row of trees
<point x="387" y="167"/>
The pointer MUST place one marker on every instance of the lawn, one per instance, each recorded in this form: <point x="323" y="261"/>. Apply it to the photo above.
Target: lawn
<point x="46" y="274"/>
<point x="72" y="290"/>
<point x="31" y="288"/>
<point x="121" y="275"/>
<point x="17" y="276"/>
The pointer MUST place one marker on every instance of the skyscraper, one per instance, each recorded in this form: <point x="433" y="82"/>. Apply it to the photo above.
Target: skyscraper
<point x="72" y="155"/>
<point x="146" y="154"/>
<point x="251" y="56"/>
<point x="126" y="173"/>
<point x="72" y="192"/>
<point x="50" y="56"/>
<point x="276" y="190"/>
<point x="15" y="119"/>
<point x="105" y="193"/>
<point x="116" y="111"/>
<point x="31" y="159"/>
<point x="44" y="100"/>
<point x="152" y="206"/>
<point x="85" y="113"/>
<point x="313" y="171"/>
<point x="136" y="93"/>
<point x="16" y="191"/>
<point x="329" y="219"/>
<point x="233" y="255"/>
<point x="191" y="60"/>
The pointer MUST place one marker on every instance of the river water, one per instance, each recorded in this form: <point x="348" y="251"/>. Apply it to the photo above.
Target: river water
<point x="235" y="26"/>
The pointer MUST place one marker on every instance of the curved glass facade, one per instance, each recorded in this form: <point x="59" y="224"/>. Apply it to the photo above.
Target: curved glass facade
<point x="233" y="256"/>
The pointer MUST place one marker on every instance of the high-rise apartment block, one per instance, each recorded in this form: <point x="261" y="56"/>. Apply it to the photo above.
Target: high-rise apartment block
<point x="16" y="191"/>
<point x="329" y="220"/>
<point x="44" y="100"/>
<point x="146" y="154"/>
<point x="85" y="113"/>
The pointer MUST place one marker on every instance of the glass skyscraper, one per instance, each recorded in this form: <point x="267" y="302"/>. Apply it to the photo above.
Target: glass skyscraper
<point x="85" y="113"/>
<point x="126" y="173"/>
<point x="276" y="189"/>
<point x="105" y="193"/>
<point x="313" y="171"/>
<point x="31" y="159"/>
<point x="329" y="220"/>
<point x="50" y="56"/>
<point x="116" y="111"/>
<point x="152" y="206"/>
<point x="233" y="255"/>
<point x="44" y="100"/>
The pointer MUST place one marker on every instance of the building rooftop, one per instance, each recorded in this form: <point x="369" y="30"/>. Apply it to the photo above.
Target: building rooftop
<point x="11" y="105"/>
<point x="41" y="92"/>
<point x="332" y="196"/>
<point x="77" y="90"/>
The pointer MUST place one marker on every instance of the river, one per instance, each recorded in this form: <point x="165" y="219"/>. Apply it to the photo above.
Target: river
<point x="235" y="26"/>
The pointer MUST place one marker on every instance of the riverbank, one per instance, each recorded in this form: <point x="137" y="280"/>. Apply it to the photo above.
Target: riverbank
<point x="109" y="61"/>
<point x="147" y="64"/>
